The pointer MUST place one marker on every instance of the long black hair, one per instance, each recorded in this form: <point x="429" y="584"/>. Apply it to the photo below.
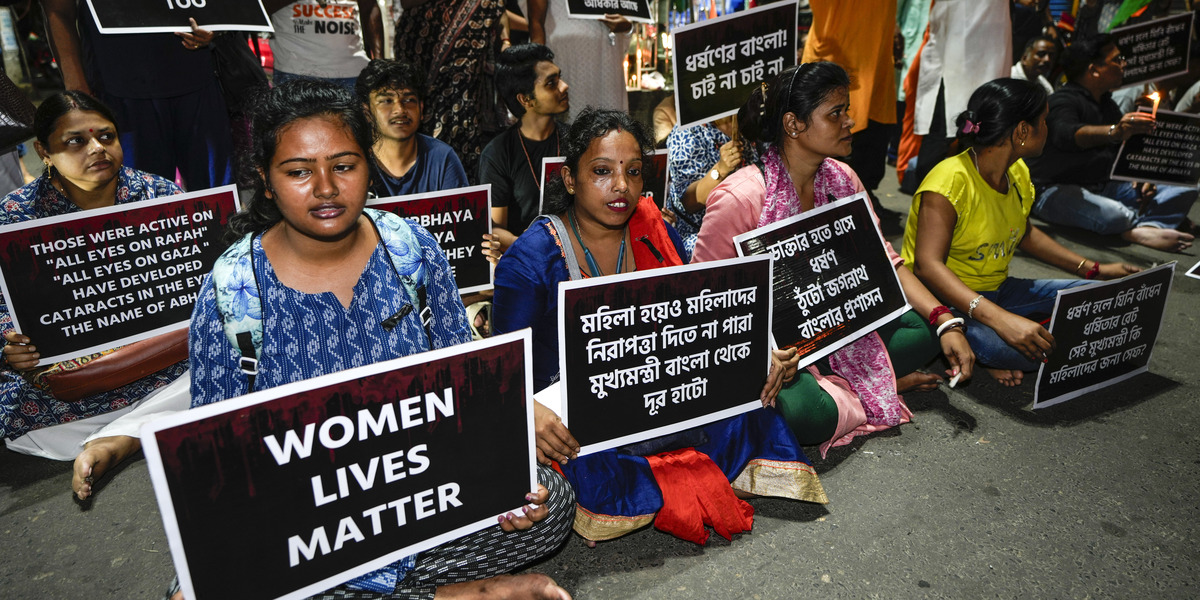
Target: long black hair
<point x="275" y="109"/>
<point x="592" y="124"/>
<point x="996" y="108"/>
<point x="798" y="90"/>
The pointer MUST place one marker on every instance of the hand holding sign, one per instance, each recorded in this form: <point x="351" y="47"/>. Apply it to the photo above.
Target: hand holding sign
<point x="19" y="351"/>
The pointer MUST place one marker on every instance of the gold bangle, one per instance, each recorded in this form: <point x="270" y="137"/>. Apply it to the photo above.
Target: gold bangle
<point x="1079" y="266"/>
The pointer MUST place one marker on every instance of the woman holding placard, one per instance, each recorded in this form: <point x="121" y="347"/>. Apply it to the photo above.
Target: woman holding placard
<point x="600" y="225"/>
<point x="802" y="115"/>
<point x="77" y="141"/>
<point x="971" y="214"/>
<point x="315" y="270"/>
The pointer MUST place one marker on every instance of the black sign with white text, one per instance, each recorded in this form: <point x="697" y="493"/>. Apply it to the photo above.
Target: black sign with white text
<point x="1105" y="333"/>
<point x="93" y="280"/>
<point x="290" y="491"/>
<point x="634" y="10"/>
<point x="833" y="282"/>
<point x="654" y="352"/>
<point x="458" y="218"/>
<point x="1156" y="49"/>
<point x="1170" y="154"/>
<point x="165" y="16"/>
<point x="718" y="62"/>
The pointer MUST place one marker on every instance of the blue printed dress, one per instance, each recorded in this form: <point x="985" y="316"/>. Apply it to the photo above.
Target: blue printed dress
<point x="309" y="335"/>
<point x="691" y="154"/>
<point x="25" y="406"/>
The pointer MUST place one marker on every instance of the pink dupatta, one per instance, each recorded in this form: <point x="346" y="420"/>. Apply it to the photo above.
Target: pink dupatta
<point x="864" y="363"/>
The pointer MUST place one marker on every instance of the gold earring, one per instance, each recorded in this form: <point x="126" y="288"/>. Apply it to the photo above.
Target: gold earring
<point x="571" y="191"/>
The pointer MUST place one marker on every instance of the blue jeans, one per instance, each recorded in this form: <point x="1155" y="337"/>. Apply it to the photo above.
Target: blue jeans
<point x="1112" y="208"/>
<point x="281" y="77"/>
<point x="1024" y="297"/>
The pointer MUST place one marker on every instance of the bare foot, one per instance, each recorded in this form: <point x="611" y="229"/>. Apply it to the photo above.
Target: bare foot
<point x="1160" y="239"/>
<point x="1006" y="377"/>
<point x="533" y="586"/>
<point x="98" y="456"/>
<point x="917" y="382"/>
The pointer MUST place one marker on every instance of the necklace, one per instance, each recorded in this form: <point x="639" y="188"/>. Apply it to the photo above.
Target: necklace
<point x="587" y="254"/>
<point x="975" y="160"/>
<point x="529" y="161"/>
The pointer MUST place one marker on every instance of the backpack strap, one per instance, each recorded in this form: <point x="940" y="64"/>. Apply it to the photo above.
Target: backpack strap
<point x="239" y="303"/>
<point x="407" y="262"/>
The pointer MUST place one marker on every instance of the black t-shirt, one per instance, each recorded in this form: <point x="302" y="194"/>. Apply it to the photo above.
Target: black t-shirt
<point x="504" y="165"/>
<point x="141" y="65"/>
<point x="1063" y="161"/>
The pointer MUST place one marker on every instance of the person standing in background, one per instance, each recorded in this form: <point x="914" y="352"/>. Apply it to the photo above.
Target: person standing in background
<point x="452" y="41"/>
<point x="325" y="39"/>
<point x="859" y="35"/>
<point x="589" y="51"/>
<point x="160" y="86"/>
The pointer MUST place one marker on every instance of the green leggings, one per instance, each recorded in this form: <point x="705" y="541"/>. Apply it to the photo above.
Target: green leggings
<point x="810" y="411"/>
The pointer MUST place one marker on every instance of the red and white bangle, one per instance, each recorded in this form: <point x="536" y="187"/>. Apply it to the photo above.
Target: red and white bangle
<point x="937" y="312"/>
<point x="955" y="323"/>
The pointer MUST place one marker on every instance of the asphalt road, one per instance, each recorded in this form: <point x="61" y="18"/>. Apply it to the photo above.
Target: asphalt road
<point x="979" y="497"/>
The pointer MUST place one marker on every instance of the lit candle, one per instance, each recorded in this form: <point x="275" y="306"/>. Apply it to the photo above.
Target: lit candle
<point x="1155" y="97"/>
<point x="638" y="73"/>
<point x="626" y="67"/>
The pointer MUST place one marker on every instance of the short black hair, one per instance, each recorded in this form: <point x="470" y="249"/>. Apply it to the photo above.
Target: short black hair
<point x="516" y="73"/>
<point x="1083" y="53"/>
<point x="1040" y="38"/>
<point x="382" y="73"/>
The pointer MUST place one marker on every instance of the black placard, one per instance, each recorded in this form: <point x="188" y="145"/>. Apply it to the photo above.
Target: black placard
<point x="833" y="279"/>
<point x="649" y="353"/>
<point x="290" y="491"/>
<point x="634" y="10"/>
<point x="716" y="63"/>
<point x="94" y="280"/>
<point x="1156" y="49"/>
<point x="1105" y="333"/>
<point x="458" y="218"/>
<point x="1170" y="154"/>
<point x="165" y="16"/>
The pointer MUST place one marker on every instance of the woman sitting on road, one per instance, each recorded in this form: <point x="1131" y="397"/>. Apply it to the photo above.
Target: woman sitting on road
<point x="971" y="214"/>
<point x="802" y="115"/>
<point x="345" y="271"/>
<point x="77" y="141"/>
<point x="600" y="226"/>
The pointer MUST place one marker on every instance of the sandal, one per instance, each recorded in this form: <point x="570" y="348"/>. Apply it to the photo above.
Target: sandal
<point x="480" y="312"/>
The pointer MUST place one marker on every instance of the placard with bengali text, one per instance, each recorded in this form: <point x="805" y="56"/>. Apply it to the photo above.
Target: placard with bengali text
<point x="718" y="62"/>
<point x="654" y="352"/>
<point x="1105" y="333"/>
<point x="833" y="279"/>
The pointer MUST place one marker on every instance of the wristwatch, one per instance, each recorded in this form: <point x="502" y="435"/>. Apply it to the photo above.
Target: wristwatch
<point x="715" y="174"/>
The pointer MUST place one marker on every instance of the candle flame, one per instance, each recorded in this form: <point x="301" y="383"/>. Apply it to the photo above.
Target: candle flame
<point x="1153" y="96"/>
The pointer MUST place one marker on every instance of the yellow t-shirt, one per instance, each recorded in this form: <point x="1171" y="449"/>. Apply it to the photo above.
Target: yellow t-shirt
<point x="990" y="224"/>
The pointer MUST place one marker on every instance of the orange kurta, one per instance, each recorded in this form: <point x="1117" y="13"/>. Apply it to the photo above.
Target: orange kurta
<point x="857" y="34"/>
